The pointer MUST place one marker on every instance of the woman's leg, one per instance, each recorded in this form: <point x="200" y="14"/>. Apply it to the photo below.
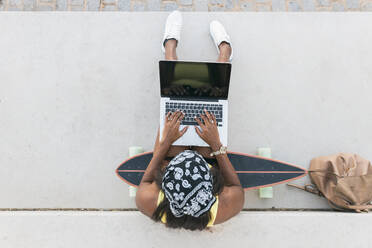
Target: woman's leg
<point x="170" y="54"/>
<point x="170" y="46"/>
<point x="172" y="34"/>
<point x="170" y="49"/>
<point x="222" y="40"/>
<point x="224" y="56"/>
<point x="225" y="52"/>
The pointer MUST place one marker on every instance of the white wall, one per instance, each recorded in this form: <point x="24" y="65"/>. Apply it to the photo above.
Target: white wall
<point x="77" y="89"/>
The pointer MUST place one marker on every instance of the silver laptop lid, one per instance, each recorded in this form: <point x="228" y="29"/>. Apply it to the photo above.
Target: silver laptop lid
<point x="194" y="80"/>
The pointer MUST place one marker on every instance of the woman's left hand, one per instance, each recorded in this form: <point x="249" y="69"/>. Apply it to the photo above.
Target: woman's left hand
<point x="209" y="130"/>
<point x="171" y="131"/>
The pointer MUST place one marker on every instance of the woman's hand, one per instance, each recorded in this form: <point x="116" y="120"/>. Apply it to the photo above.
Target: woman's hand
<point x="209" y="131"/>
<point x="171" y="131"/>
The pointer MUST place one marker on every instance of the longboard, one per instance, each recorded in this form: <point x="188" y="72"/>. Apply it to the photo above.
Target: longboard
<point x="253" y="171"/>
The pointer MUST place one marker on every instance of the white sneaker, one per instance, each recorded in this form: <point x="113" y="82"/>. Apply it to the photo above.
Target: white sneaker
<point x="173" y="27"/>
<point x="218" y="33"/>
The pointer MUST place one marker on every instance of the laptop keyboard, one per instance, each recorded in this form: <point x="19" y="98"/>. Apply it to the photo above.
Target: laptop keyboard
<point x="195" y="109"/>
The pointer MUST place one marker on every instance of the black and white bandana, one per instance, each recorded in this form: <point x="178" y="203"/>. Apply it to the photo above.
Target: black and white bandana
<point x="188" y="184"/>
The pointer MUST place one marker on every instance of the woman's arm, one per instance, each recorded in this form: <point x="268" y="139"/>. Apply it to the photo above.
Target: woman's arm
<point x="209" y="134"/>
<point x="147" y="193"/>
<point x="171" y="133"/>
<point x="231" y="199"/>
<point x="227" y="169"/>
<point x="158" y="156"/>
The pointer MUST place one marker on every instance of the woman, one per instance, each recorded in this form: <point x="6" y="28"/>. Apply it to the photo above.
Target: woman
<point x="179" y="187"/>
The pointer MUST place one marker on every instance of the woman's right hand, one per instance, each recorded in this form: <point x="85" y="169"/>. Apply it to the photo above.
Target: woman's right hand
<point x="209" y="130"/>
<point x="171" y="131"/>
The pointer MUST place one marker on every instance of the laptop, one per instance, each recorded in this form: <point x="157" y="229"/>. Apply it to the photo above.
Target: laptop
<point x="192" y="87"/>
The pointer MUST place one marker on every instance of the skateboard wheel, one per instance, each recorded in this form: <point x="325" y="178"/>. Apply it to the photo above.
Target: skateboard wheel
<point x="132" y="191"/>
<point x="264" y="152"/>
<point x="266" y="192"/>
<point x="134" y="150"/>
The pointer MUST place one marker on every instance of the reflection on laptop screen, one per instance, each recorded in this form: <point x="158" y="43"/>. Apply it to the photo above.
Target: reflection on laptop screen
<point x="194" y="79"/>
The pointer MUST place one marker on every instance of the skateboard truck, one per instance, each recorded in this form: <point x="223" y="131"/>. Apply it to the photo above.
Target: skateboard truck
<point x="266" y="192"/>
<point x="134" y="150"/>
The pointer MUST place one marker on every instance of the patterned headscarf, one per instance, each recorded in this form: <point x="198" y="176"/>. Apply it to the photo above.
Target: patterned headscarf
<point x="188" y="185"/>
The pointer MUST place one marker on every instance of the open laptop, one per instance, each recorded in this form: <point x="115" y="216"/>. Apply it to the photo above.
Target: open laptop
<point x="192" y="87"/>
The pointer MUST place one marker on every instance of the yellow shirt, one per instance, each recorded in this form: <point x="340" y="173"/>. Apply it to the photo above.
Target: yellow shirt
<point x="213" y="209"/>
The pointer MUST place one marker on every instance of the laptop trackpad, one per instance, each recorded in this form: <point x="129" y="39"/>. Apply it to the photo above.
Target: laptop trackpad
<point x="190" y="138"/>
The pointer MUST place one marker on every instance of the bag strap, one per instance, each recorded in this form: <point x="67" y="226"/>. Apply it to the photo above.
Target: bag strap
<point x="326" y="171"/>
<point x="308" y="187"/>
<point x="312" y="189"/>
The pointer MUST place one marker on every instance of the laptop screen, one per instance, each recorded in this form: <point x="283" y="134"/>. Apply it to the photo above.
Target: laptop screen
<point x="203" y="80"/>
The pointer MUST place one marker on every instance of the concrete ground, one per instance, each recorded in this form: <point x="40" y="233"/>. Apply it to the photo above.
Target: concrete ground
<point x="131" y="229"/>
<point x="78" y="89"/>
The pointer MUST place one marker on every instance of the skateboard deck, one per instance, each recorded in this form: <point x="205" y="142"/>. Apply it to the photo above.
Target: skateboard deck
<point x="253" y="171"/>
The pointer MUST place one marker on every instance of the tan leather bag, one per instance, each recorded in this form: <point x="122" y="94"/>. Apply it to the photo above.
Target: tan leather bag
<point x="344" y="179"/>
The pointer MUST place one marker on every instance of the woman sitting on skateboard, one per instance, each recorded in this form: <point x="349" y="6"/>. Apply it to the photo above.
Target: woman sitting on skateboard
<point x="185" y="191"/>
